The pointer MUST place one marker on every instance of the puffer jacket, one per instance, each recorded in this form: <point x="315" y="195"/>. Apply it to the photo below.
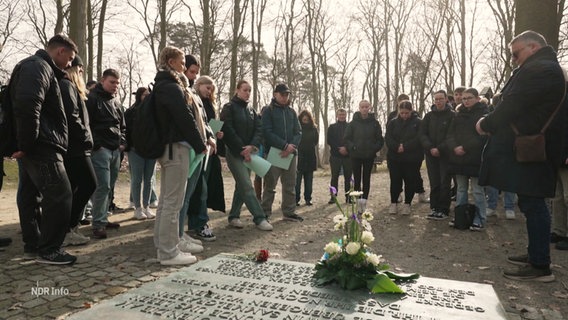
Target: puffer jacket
<point x="462" y="133"/>
<point x="41" y="124"/>
<point x="241" y="126"/>
<point x="80" y="139"/>
<point x="106" y="119"/>
<point x="434" y="129"/>
<point x="363" y="137"/>
<point x="280" y="126"/>
<point x="174" y="114"/>
<point x="407" y="133"/>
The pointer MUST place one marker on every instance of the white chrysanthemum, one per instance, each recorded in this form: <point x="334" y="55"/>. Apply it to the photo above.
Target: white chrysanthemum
<point x="353" y="247"/>
<point x="366" y="225"/>
<point x="373" y="259"/>
<point x="338" y="226"/>
<point x="339" y="219"/>
<point x="367" y="237"/>
<point x="355" y="193"/>
<point x="367" y="215"/>
<point x="332" y="248"/>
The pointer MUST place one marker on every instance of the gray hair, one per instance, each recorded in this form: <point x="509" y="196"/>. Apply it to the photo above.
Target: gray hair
<point x="530" y="36"/>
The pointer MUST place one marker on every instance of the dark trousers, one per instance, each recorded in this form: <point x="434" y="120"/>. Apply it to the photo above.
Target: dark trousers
<point x="407" y="172"/>
<point x="362" y="173"/>
<point x="336" y="164"/>
<point x="538" y="229"/>
<point x="43" y="184"/>
<point x="419" y="181"/>
<point x="308" y="182"/>
<point x="83" y="183"/>
<point x="439" y="183"/>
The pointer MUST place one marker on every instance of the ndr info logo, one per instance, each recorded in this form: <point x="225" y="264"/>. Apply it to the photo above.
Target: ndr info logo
<point x="49" y="291"/>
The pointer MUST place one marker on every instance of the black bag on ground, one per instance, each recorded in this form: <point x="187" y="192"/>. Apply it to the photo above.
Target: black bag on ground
<point x="147" y="136"/>
<point x="463" y="217"/>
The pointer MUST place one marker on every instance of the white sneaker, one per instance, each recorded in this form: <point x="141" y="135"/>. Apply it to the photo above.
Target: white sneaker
<point x="489" y="212"/>
<point x="405" y="209"/>
<point x="139" y="215"/>
<point x="148" y="213"/>
<point x="186" y="246"/>
<point x="264" y="226"/>
<point x="74" y="239"/>
<point x="131" y="206"/>
<point x="154" y="204"/>
<point x="392" y="208"/>
<point x="510" y="214"/>
<point x="422" y="198"/>
<point x="187" y="238"/>
<point x="181" y="259"/>
<point x="236" y="223"/>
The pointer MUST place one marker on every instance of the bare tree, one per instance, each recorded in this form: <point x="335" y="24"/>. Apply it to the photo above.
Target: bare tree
<point x="239" y="12"/>
<point x="10" y="18"/>
<point x="43" y="17"/>
<point x="78" y="25"/>
<point x="130" y="71"/>
<point x="257" y="14"/>
<point x="541" y="16"/>
<point x="500" y="68"/>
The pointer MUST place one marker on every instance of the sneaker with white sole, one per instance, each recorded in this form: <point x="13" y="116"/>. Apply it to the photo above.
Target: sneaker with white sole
<point x="148" y="213"/>
<point x="181" y="259"/>
<point x="206" y="234"/>
<point x="236" y="223"/>
<point x="73" y="238"/>
<point x="131" y="206"/>
<point x="186" y="246"/>
<point x="405" y="210"/>
<point x="58" y="257"/>
<point x="510" y="214"/>
<point x="154" y="204"/>
<point x="392" y="208"/>
<point x="139" y="215"/>
<point x="264" y="226"/>
<point x="186" y="237"/>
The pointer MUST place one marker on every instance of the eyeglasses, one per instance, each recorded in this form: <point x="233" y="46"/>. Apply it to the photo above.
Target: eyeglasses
<point x="515" y="54"/>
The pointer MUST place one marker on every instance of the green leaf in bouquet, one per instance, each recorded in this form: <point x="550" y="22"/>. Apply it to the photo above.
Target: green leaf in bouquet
<point x="402" y="276"/>
<point x="381" y="283"/>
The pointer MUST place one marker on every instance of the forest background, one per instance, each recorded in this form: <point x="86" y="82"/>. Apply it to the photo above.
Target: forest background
<point x="331" y="53"/>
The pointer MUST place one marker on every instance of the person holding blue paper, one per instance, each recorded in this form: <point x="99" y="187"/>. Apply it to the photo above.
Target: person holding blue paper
<point x="281" y="129"/>
<point x="243" y="135"/>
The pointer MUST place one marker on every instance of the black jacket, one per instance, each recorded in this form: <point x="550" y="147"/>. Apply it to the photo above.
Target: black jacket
<point x="106" y="119"/>
<point x="280" y="126"/>
<point x="462" y="132"/>
<point x="241" y="126"/>
<point x="364" y="137"/>
<point x="529" y="98"/>
<point x="41" y="124"/>
<point x="80" y="139"/>
<point x="307" y="159"/>
<point x="434" y="130"/>
<point x="335" y="134"/>
<point x="174" y="114"/>
<point x="407" y="133"/>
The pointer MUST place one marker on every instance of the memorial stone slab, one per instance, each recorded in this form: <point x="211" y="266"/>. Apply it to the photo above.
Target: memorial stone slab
<point x="234" y="288"/>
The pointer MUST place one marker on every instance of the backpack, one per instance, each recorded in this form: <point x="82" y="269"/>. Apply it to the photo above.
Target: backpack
<point x="464" y="215"/>
<point x="8" y="144"/>
<point x="147" y="136"/>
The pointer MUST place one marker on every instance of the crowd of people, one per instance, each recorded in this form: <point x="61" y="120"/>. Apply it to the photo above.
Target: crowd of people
<point x="72" y="138"/>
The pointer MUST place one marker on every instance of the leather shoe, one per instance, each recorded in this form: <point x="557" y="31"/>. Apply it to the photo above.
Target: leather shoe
<point x="99" y="233"/>
<point x="562" y="245"/>
<point x="112" y="225"/>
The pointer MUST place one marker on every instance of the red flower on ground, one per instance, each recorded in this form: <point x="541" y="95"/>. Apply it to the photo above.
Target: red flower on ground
<point x="261" y="255"/>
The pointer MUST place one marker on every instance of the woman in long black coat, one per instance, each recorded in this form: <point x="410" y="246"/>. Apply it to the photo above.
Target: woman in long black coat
<point x="307" y="160"/>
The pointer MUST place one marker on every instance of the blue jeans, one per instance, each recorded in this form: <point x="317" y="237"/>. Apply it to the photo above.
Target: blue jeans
<point x="538" y="229"/>
<point x="244" y="191"/>
<point x="106" y="164"/>
<point x="308" y="182"/>
<point x="493" y="196"/>
<point x="478" y="197"/>
<point x="141" y="170"/>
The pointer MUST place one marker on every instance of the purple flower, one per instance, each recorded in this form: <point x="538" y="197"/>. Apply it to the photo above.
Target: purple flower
<point x="355" y="217"/>
<point x="333" y="190"/>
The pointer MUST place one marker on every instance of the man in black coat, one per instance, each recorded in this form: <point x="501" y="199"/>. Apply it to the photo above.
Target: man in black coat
<point x="41" y="131"/>
<point x="529" y="99"/>
<point x="338" y="155"/>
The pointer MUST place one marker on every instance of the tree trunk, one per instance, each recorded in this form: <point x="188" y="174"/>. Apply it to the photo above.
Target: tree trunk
<point x="78" y="25"/>
<point x="100" y="34"/>
<point x="90" y="42"/>
<point x="540" y="16"/>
